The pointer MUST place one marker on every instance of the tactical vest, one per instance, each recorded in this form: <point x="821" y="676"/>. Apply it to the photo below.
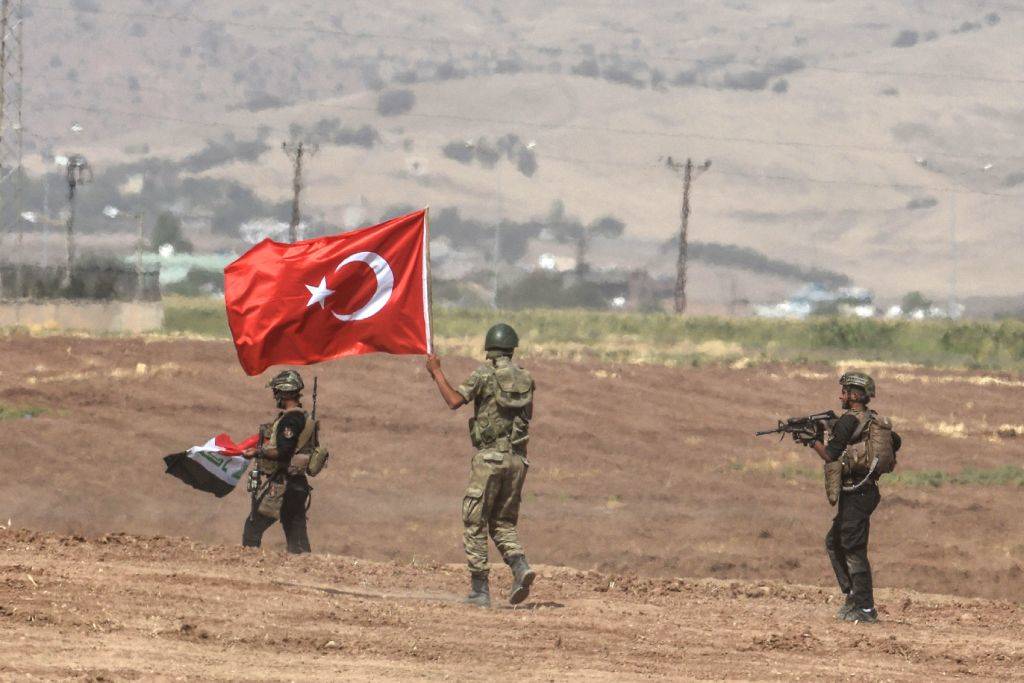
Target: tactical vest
<point x="304" y="446"/>
<point x="503" y="409"/>
<point x="870" y="452"/>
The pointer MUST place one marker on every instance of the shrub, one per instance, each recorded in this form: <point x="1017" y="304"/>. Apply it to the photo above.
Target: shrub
<point x="915" y="301"/>
<point x="588" y="68"/>
<point x="619" y="74"/>
<point x="459" y="151"/>
<point x="395" y="102"/>
<point x="906" y="38"/>
<point x="746" y="80"/>
<point x="922" y="203"/>
<point x="447" y="71"/>
<point x="168" y="231"/>
<point x="366" y="136"/>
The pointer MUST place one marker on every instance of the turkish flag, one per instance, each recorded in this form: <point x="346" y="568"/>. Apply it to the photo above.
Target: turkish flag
<point x="364" y="291"/>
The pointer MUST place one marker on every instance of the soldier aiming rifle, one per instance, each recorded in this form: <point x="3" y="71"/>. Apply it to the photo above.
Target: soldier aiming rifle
<point x="861" y="448"/>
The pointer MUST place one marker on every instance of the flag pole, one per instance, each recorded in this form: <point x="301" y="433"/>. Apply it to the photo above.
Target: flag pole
<point x="430" y="279"/>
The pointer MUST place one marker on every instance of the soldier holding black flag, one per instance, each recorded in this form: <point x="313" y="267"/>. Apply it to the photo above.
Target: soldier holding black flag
<point x="288" y="450"/>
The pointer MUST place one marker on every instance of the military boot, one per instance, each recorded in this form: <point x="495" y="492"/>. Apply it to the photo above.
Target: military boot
<point x="523" y="577"/>
<point x="845" y="609"/>
<point x="479" y="591"/>
<point x="863" y="616"/>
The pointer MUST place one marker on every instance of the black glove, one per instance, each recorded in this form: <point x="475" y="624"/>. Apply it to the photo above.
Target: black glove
<point x="805" y="436"/>
<point x="808" y="435"/>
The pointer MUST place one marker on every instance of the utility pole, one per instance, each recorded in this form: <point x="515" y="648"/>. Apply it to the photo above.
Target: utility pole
<point x="11" y="140"/>
<point x="295" y="152"/>
<point x="78" y="173"/>
<point x="689" y="174"/>
<point x="952" y="309"/>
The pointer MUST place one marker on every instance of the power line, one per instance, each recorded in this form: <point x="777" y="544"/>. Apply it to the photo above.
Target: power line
<point x="760" y="176"/>
<point x="863" y="183"/>
<point x="916" y="74"/>
<point x="579" y="161"/>
<point x="807" y="144"/>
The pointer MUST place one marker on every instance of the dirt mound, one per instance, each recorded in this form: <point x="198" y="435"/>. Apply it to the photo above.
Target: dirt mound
<point x="124" y="607"/>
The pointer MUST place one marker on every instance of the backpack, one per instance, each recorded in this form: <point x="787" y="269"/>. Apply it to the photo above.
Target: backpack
<point x="512" y="389"/>
<point x="871" y="449"/>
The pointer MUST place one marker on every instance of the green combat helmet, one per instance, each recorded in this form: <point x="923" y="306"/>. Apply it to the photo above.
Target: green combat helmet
<point x="501" y="337"/>
<point x="287" y="381"/>
<point x="859" y="379"/>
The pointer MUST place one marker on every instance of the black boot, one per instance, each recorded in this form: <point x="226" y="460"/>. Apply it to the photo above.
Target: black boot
<point x="845" y="609"/>
<point x="523" y="576"/>
<point x="479" y="592"/>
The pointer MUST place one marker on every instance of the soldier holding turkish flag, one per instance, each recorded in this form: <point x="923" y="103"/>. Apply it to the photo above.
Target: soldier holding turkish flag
<point x="364" y="291"/>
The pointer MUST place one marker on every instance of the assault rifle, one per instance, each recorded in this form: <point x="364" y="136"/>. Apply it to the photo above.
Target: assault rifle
<point x="802" y="427"/>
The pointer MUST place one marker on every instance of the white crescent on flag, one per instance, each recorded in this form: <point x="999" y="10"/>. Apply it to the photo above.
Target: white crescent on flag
<point x="385" y="285"/>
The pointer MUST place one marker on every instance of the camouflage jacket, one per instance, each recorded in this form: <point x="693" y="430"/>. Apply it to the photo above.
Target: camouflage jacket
<point x="502" y="397"/>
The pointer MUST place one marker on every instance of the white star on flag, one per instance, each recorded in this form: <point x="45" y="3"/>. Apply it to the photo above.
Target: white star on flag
<point x="318" y="293"/>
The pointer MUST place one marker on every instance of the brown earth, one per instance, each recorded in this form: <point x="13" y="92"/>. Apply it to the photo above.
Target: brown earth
<point x="122" y="607"/>
<point x="639" y="475"/>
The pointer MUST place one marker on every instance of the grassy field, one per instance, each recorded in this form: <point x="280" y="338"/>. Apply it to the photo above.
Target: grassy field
<point x="656" y="338"/>
<point x="1004" y="475"/>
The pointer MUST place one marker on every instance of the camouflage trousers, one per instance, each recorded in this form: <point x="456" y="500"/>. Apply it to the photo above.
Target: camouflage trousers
<point x="491" y="507"/>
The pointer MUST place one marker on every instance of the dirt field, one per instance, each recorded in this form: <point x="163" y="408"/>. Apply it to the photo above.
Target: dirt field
<point x="639" y="475"/>
<point x="124" y="607"/>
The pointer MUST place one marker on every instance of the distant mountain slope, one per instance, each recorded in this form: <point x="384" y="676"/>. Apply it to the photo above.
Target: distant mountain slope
<point x="868" y="140"/>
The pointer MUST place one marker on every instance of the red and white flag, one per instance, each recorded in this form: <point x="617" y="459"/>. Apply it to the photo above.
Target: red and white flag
<point x="364" y="291"/>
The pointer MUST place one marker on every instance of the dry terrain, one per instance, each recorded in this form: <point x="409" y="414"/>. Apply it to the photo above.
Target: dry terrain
<point x="864" y="137"/>
<point x="121" y="607"/>
<point x="671" y="541"/>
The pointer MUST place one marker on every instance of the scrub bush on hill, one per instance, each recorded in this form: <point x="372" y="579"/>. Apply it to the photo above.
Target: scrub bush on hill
<point x="395" y="102"/>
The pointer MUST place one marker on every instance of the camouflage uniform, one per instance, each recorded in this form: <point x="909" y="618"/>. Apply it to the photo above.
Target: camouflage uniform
<point x="498" y="469"/>
<point x="284" y="494"/>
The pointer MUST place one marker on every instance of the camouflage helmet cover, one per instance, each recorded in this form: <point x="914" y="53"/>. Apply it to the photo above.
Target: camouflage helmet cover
<point x="501" y="337"/>
<point x="286" y="381"/>
<point x="854" y="378"/>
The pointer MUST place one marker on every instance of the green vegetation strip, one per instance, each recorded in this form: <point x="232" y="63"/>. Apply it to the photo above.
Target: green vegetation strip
<point x="17" y="413"/>
<point x="659" y="338"/>
<point x="1005" y="475"/>
<point x="994" y="476"/>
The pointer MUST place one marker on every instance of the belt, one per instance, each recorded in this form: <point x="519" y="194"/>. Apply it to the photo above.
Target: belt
<point x="500" y="444"/>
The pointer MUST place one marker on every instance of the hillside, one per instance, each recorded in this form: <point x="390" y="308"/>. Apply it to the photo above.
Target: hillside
<point x="849" y="137"/>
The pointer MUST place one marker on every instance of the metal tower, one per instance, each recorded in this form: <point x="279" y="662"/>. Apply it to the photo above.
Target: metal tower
<point x="11" y="129"/>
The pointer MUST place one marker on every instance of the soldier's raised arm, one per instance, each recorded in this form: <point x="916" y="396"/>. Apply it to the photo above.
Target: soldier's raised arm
<point x="450" y="395"/>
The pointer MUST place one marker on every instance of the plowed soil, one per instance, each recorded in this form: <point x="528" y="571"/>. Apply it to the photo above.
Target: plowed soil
<point x="671" y="542"/>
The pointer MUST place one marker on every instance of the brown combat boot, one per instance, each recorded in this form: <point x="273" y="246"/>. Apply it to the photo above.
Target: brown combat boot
<point x="479" y="591"/>
<point x="523" y="576"/>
